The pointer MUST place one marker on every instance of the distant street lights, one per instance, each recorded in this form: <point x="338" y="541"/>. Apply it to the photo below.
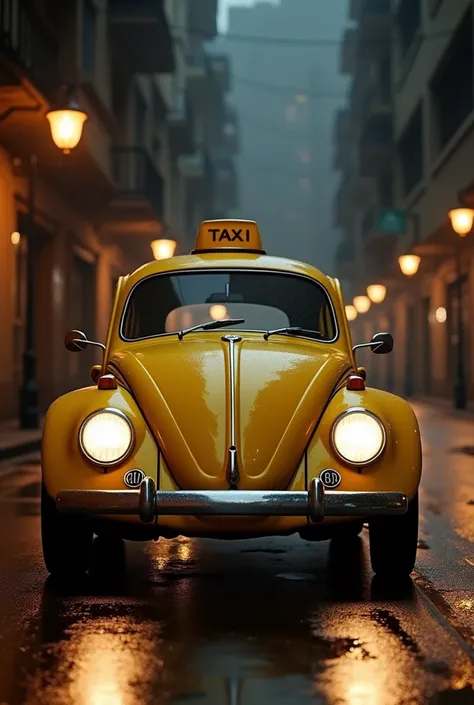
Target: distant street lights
<point x="409" y="264"/>
<point x="351" y="312"/>
<point x="377" y="293"/>
<point x="362" y="304"/>
<point x="66" y="123"/>
<point x="461" y="220"/>
<point x="163" y="249"/>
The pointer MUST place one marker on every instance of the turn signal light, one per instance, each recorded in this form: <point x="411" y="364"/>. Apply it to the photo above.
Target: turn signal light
<point x="107" y="382"/>
<point x="355" y="384"/>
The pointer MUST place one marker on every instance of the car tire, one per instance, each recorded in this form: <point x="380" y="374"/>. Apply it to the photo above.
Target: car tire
<point x="393" y="543"/>
<point x="66" y="540"/>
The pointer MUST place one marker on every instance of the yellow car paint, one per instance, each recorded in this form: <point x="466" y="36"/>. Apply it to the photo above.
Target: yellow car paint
<point x="290" y="390"/>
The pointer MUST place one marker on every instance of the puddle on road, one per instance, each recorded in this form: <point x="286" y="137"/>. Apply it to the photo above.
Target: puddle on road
<point x="172" y="629"/>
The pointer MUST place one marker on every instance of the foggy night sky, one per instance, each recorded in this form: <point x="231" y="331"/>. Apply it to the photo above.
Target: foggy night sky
<point x="320" y="249"/>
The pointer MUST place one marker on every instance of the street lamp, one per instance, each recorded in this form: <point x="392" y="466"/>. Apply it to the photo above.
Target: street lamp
<point x="163" y="249"/>
<point x="377" y="293"/>
<point x="362" y="304"/>
<point x="351" y="313"/>
<point x="461" y="221"/>
<point x="66" y="130"/>
<point x="409" y="264"/>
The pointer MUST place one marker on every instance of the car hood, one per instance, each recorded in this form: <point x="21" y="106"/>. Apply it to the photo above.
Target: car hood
<point x="183" y="388"/>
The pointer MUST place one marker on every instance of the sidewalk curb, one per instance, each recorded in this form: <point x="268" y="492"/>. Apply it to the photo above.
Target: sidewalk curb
<point x="20" y="449"/>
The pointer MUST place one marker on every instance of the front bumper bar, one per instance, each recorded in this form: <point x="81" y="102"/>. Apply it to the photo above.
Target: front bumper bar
<point x="148" y="503"/>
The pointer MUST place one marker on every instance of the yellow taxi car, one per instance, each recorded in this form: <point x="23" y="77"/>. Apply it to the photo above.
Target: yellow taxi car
<point x="229" y="405"/>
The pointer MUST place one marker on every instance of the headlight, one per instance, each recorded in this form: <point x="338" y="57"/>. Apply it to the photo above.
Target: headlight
<point x="106" y="437"/>
<point x="358" y="437"/>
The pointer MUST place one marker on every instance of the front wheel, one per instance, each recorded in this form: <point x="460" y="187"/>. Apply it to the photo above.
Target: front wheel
<point x="393" y="543"/>
<point x="67" y="540"/>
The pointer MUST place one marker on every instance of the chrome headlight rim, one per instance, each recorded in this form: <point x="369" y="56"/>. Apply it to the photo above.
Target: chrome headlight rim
<point x="110" y="463"/>
<point x="359" y="410"/>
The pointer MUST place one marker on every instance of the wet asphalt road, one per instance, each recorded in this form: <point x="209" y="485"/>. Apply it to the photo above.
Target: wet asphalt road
<point x="243" y="623"/>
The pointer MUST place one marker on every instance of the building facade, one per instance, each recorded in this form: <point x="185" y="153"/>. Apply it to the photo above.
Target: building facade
<point x="80" y="221"/>
<point x="426" y="153"/>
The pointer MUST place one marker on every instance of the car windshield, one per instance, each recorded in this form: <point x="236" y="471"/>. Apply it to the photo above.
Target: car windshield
<point x="166" y="303"/>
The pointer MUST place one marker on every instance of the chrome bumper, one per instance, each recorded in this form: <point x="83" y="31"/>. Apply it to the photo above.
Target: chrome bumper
<point x="148" y="503"/>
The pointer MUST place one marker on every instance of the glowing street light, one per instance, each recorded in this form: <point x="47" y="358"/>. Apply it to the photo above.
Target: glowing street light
<point x="461" y="220"/>
<point x="163" y="249"/>
<point x="351" y="313"/>
<point x="377" y="293"/>
<point x="409" y="264"/>
<point x="362" y="304"/>
<point x="66" y="121"/>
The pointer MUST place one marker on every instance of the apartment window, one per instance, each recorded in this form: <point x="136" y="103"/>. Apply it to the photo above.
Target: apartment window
<point x="89" y="29"/>
<point x="408" y="23"/>
<point x="411" y="152"/>
<point x="452" y="87"/>
<point x="140" y="120"/>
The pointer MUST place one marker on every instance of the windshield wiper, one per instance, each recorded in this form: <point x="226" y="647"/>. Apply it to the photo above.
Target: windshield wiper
<point x="290" y="331"/>
<point x="211" y="325"/>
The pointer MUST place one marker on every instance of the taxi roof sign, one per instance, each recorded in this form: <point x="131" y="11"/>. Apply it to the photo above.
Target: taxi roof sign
<point x="229" y="236"/>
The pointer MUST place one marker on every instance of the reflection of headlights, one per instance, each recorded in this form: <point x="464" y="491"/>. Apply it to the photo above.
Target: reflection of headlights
<point x="106" y="437"/>
<point x="358" y="437"/>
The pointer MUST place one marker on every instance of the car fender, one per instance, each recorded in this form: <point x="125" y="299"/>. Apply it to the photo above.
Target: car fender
<point x="64" y="465"/>
<point x="399" y="466"/>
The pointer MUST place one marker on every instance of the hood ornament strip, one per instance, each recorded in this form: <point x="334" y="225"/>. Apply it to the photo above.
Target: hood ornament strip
<point x="232" y="472"/>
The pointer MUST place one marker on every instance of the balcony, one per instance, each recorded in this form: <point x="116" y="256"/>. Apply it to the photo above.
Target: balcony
<point x="375" y="22"/>
<point x="29" y="53"/>
<point x="377" y="103"/>
<point x="140" y="36"/>
<point x="349" y="51"/>
<point x="376" y="149"/>
<point x="137" y="205"/>
<point x="181" y="125"/>
<point x="202" y="18"/>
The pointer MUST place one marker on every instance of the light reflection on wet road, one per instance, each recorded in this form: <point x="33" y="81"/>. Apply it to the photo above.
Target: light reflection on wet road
<point x="240" y="623"/>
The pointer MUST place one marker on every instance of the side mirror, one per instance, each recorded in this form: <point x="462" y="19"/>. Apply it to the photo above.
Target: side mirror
<point x="382" y="343"/>
<point x="75" y="341"/>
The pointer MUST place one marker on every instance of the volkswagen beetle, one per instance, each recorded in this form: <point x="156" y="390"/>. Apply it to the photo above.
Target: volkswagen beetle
<point x="229" y="405"/>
